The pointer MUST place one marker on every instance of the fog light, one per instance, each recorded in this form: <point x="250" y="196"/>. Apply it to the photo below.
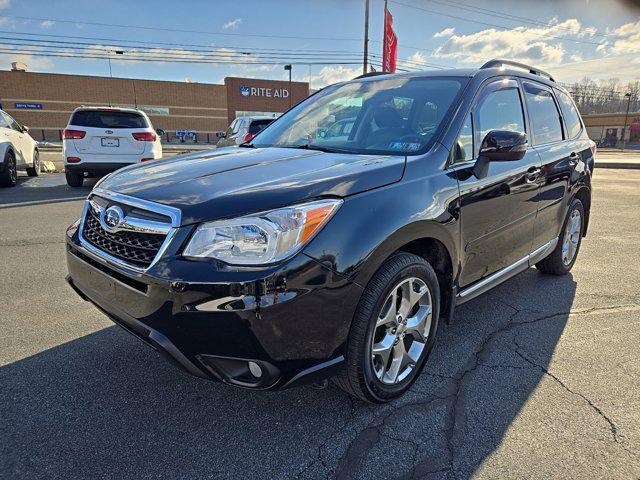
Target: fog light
<point x="255" y="369"/>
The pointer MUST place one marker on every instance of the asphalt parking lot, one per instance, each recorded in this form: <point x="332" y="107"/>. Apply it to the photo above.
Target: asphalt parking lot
<point x="540" y="378"/>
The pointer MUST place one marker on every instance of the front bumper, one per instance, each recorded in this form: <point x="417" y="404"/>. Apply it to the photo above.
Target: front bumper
<point x="292" y="320"/>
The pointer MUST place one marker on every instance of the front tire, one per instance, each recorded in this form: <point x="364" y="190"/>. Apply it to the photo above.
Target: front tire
<point x="9" y="176"/>
<point x="393" y="330"/>
<point x="74" y="179"/>
<point x="35" y="170"/>
<point x="561" y="260"/>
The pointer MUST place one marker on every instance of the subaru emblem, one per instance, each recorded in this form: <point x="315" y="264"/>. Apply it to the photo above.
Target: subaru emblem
<point x="112" y="218"/>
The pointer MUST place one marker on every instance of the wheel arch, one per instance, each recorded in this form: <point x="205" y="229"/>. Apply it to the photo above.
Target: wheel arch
<point x="584" y="195"/>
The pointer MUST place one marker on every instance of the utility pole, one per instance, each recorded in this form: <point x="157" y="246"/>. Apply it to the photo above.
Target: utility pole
<point x="366" y="37"/>
<point x="626" y="119"/>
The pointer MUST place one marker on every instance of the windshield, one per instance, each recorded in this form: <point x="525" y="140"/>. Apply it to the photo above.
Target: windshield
<point x="397" y="116"/>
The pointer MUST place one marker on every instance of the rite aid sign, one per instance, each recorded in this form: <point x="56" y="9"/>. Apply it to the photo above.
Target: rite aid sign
<point x="247" y="91"/>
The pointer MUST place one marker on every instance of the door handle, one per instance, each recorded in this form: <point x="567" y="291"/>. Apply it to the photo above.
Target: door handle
<point x="533" y="173"/>
<point x="573" y="158"/>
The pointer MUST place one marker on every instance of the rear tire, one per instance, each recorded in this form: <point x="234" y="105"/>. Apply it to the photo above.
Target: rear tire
<point x="561" y="260"/>
<point x="35" y="170"/>
<point x="74" y="179"/>
<point x="388" y="326"/>
<point x="9" y="176"/>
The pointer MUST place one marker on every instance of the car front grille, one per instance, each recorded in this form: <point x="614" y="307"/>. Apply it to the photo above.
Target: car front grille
<point x="136" y="248"/>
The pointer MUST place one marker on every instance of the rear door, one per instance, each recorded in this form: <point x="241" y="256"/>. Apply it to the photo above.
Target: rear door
<point x="109" y="132"/>
<point x="560" y="151"/>
<point x="497" y="211"/>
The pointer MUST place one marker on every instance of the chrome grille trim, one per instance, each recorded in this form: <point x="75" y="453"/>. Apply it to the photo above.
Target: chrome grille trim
<point x="132" y="224"/>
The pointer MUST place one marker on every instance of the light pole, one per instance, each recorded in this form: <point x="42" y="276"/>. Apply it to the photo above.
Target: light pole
<point x="288" y="67"/>
<point x="626" y="118"/>
<point x="117" y="52"/>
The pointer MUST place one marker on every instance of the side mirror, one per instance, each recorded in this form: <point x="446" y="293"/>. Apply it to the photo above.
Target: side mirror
<point x="25" y="129"/>
<point x="503" y="146"/>
<point x="160" y="132"/>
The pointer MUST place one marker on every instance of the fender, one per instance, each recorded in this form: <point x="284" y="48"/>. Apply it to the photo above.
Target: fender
<point x="5" y="146"/>
<point x="372" y="225"/>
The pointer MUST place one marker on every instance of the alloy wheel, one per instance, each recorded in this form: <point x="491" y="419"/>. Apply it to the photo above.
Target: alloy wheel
<point x="401" y="331"/>
<point x="13" y="174"/>
<point x="571" y="239"/>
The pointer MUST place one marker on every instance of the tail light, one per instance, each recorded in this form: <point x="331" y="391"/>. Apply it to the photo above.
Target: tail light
<point x="144" y="136"/>
<point x="147" y="159"/>
<point x="69" y="134"/>
<point x="248" y="137"/>
<point x="592" y="144"/>
<point x="73" y="160"/>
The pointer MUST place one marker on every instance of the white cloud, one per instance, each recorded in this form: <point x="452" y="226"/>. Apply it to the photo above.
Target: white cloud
<point x="521" y="43"/>
<point x="447" y="32"/>
<point x="232" y="24"/>
<point x="33" y="62"/>
<point x="4" y="4"/>
<point x="418" y="58"/>
<point x="576" y="57"/>
<point x="47" y="24"/>
<point x="334" y="74"/>
<point x="630" y="41"/>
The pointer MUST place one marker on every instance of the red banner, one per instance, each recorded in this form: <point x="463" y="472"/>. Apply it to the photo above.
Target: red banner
<point x="389" y="44"/>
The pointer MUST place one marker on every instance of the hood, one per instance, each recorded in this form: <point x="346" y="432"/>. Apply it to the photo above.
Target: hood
<point x="232" y="181"/>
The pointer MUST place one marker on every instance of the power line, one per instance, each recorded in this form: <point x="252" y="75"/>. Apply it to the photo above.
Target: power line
<point x="494" y="13"/>
<point x="477" y="22"/>
<point x="119" y="40"/>
<point x="178" y="30"/>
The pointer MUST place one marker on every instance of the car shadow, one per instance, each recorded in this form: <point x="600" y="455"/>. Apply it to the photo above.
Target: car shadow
<point x="46" y="188"/>
<point x="106" y="406"/>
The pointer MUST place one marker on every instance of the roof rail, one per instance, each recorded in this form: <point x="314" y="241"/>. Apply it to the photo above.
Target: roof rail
<point x="500" y="62"/>
<point x="371" y="74"/>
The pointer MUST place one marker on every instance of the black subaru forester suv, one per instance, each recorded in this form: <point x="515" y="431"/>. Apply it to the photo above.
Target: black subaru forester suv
<point x="299" y="256"/>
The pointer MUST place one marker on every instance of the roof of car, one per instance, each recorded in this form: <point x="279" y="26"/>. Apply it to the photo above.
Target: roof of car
<point x="489" y="69"/>
<point x="114" y="109"/>
<point x="257" y="117"/>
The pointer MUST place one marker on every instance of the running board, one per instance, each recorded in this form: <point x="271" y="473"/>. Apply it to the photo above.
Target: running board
<point x="505" y="273"/>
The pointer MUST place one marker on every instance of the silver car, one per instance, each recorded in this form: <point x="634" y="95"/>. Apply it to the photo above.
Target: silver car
<point x="243" y="129"/>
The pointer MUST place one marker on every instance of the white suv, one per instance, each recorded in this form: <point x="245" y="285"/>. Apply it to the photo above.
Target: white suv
<point x="99" y="140"/>
<point x="18" y="151"/>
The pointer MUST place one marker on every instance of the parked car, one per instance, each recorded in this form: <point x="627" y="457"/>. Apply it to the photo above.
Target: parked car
<point x="18" y="151"/>
<point x="100" y="140"/>
<point x="342" y="128"/>
<point x="243" y="129"/>
<point x="295" y="258"/>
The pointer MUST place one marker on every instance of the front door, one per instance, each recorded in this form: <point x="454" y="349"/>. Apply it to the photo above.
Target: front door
<point x="497" y="210"/>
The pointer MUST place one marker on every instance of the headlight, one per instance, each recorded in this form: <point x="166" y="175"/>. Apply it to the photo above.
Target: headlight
<point x="262" y="238"/>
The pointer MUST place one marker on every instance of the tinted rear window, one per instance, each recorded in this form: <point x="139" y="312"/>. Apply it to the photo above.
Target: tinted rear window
<point x="258" y="125"/>
<point x="107" y="119"/>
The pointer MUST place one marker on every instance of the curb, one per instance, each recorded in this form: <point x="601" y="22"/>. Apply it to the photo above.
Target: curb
<point x="619" y="165"/>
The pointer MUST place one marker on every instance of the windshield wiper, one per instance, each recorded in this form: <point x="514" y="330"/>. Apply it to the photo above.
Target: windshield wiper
<point x="247" y="145"/>
<point x="319" y="148"/>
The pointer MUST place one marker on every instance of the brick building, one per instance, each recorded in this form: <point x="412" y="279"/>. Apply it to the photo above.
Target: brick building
<point x="44" y="101"/>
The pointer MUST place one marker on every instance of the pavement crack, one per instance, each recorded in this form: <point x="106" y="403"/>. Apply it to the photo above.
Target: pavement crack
<point x="27" y="243"/>
<point x="615" y="433"/>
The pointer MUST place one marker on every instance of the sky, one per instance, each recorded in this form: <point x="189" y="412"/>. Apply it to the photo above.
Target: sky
<point x="572" y="39"/>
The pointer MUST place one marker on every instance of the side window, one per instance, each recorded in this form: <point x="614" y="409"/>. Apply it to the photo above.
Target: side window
<point x="500" y="109"/>
<point x="543" y="113"/>
<point x="231" y="127"/>
<point x="3" y="121"/>
<point x="464" y="145"/>
<point x="570" y="114"/>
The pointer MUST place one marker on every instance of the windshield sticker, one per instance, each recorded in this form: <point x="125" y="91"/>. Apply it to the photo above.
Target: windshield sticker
<point x="405" y="146"/>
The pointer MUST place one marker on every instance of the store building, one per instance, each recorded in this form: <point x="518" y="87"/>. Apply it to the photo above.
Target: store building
<point x="606" y="129"/>
<point x="44" y="101"/>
